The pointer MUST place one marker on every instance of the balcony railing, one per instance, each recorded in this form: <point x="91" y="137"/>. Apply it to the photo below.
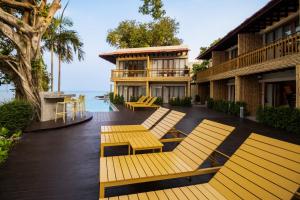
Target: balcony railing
<point x="150" y="73"/>
<point x="281" y="48"/>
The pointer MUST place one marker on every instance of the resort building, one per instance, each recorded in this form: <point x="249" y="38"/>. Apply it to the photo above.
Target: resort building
<point x="259" y="61"/>
<point x="150" y="71"/>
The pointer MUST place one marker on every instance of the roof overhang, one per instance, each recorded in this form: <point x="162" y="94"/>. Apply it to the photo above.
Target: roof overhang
<point x="112" y="56"/>
<point x="271" y="12"/>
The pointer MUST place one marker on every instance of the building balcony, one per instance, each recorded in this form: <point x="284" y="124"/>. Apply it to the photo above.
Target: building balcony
<point x="280" y="54"/>
<point x="151" y="75"/>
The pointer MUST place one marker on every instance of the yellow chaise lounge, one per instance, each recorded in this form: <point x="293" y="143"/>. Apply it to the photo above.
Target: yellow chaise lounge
<point x="158" y="131"/>
<point x="262" y="168"/>
<point x="183" y="161"/>
<point x="146" y="101"/>
<point x="140" y="100"/>
<point x="150" y="104"/>
<point x="145" y="126"/>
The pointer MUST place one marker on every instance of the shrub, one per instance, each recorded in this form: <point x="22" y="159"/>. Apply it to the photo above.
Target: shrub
<point x="5" y="145"/>
<point x="159" y="101"/>
<point x="16" y="115"/>
<point x="197" y="98"/>
<point x="117" y="99"/>
<point x="187" y="101"/>
<point x="229" y="107"/>
<point x="281" y="117"/>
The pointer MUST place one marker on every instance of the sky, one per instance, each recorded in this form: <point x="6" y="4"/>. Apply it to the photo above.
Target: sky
<point x="201" y="22"/>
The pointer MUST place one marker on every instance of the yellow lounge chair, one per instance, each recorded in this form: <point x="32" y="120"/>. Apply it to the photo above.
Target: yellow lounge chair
<point x="158" y="131"/>
<point x="140" y="100"/>
<point x="183" y="161"/>
<point x="146" y="101"/>
<point x="262" y="168"/>
<point x="145" y="126"/>
<point x="150" y="104"/>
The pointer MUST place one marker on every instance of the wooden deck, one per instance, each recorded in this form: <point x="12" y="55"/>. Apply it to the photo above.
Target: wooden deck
<point x="64" y="163"/>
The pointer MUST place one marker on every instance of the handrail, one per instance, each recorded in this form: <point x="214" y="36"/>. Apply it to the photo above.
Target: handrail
<point x="286" y="46"/>
<point x="118" y="73"/>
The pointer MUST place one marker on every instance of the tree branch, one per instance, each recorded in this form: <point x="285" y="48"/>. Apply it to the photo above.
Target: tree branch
<point x="11" y="34"/>
<point x="14" y="21"/>
<point x="42" y="22"/>
<point x="17" y="4"/>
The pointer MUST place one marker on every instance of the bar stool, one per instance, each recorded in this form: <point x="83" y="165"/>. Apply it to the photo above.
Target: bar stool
<point x="62" y="108"/>
<point x="81" y="105"/>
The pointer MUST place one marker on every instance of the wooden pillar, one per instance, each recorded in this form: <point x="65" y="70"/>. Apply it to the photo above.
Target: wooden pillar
<point x="115" y="89"/>
<point x="263" y="88"/>
<point x="238" y="88"/>
<point x="188" y="89"/>
<point x="211" y="89"/>
<point x="298" y="86"/>
<point x="147" y="89"/>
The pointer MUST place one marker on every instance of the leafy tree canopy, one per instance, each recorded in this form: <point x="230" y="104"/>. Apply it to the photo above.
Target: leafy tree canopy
<point x="153" y="8"/>
<point x="200" y="67"/>
<point x="132" y="34"/>
<point x="160" y="32"/>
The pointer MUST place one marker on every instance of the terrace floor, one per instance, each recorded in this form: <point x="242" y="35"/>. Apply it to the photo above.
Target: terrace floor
<point x="64" y="163"/>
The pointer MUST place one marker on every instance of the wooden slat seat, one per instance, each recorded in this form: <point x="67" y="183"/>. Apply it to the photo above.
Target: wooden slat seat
<point x="184" y="161"/>
<point x="159" y="131"/>
<point x="262" y="168"/>
<point x="145" y="126"/>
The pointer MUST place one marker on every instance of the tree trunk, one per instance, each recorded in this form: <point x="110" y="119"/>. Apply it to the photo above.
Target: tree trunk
<point x="52" y="68"/>
<point x="59" y="72"/>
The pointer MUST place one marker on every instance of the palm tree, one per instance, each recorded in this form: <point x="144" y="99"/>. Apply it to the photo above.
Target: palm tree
<point x="63" y="42"/>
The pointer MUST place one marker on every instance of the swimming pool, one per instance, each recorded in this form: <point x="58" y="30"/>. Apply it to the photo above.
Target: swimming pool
<point x="92" y="104"/>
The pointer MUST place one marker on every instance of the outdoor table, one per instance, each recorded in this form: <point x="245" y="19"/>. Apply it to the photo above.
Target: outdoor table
<point x="145" y="142"/>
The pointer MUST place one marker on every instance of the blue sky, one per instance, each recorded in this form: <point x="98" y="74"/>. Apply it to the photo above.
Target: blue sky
<point x="201" y="22"/>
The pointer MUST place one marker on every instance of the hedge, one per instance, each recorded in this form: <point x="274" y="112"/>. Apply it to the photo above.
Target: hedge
<point x="229" y="107"/>
<point x="280" y="117"/>
<point x="186" y="102"/>
<point x="16" y="115"/>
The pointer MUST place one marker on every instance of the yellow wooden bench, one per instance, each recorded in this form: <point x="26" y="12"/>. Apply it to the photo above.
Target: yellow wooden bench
<point x="183" y="161"/>
<point x="159" y="131"/>
<point x="262" y="168"/>
<point x="150" y="104"/>
<point x="140" y="100"/>
<point x="145" y="126"/>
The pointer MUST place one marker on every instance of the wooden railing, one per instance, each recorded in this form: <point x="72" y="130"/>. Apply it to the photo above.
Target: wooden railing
<point x="150" y="73"/>
<point x="278" y="49"/>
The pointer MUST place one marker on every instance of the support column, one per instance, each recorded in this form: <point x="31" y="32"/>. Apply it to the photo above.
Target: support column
<point x="263" y="88"/>
<point x="211" y="89"/>
<point x="298" y="86"/>
<point x="238" y="88"/>
<point x="115" y="89"/>
<point x="188" y="89"/>
<point x="147" y="89"/>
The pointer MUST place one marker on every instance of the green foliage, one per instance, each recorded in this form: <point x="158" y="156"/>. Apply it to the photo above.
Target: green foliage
<point x="16" y="115"/>
<point x="197" y="98"/>
<point x="4" y="132"/>
<point x="111" y="96"/>
<point x="39" y="70"/>
<point x="185" y="102"/>
<point x="229" y="107"/>
<point x="117" y="99"/>
<point x="280" y="117"/>
<point x="159" y="101"/>
<point x="200" y="67"/>
<point x="6" y="142"/>
<point x="132" y="34"/>
<point x="153" y="8"/>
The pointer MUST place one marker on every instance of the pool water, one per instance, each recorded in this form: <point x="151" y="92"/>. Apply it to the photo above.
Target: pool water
<point x="92" y="103"/>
